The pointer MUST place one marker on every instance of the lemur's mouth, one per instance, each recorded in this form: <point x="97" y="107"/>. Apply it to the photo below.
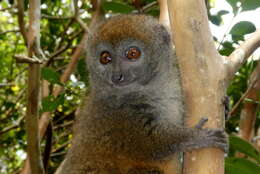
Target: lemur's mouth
<point x="123" y="83"/>
<point x="119" y="79"/>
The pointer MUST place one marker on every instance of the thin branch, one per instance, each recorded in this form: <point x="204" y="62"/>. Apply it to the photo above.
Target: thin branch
<point x="57" y="53"/>
<point x="76" y="34"/>
<point x="76" y="11"/>
<point x="83" y="25"/>
<point x="6" y="84"/>
<point x="62" y="49"/>
<point x="240" y="55"/>
<point x="58" y="154"/>
<point x="72" y="20"/>
<point x="26" y="59"/>
<point x="68" y="123"/>
<point x="164" y="15"/>
<point x="8" y="8"/>
<point x="9" y="111"/>
<point x="62" y="136"/>
<point x="228" y="29"/>
<point x="57" y="17"/>
<point x="98" y="12"/>
<point x="249" y="100"/>
<point x="148" y="6"/>
<point x="9" y="31"/>
<point x="63" y="117"/>
<point x="60" y="147"/>
<point x="14" y="126"/>
<point x="249" y="111"/>
<point x="76" y="8"/>
<point x="32" y="115"/>
<point x="20" y="5"/>
<point x="235" y="107"/>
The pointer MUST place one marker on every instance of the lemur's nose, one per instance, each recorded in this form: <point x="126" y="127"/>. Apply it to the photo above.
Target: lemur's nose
<point x="117" y="77"/>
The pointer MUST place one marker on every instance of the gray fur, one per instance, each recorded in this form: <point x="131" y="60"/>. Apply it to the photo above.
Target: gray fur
<point x="138" y="125"/>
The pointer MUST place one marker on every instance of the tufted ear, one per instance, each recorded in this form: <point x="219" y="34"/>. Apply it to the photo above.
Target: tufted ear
<point x="163" y="33"/>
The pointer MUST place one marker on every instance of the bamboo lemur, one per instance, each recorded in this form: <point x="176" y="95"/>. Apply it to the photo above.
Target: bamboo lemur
<point x="132" y="121"/>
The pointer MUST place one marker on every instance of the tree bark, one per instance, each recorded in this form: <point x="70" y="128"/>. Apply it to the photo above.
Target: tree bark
<point x="33" y="39"/>
<point x="202" y="78"/>
<point x="46" y="116"/>
<point x="249" y="111"/>
<point x="205" y="76"/>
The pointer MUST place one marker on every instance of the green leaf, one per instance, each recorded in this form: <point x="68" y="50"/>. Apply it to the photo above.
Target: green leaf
<point x="222" y="12"/>
<point x="51" y="103"/>
<point x="233" y="4"/>
<point x="215" y="19"/>
<point x="153" y="12"/>
<point x="83" y="71"/>
<point x="244" y="147"/>
<point x="117" y="7"/>
<point x="227" y="49"/>
<point x="242" y="28"/>
<point x="245" y="5"/>
<point x="240" y="166"/>
<point x="50" y="75"/>
<point x="250" y="5"/>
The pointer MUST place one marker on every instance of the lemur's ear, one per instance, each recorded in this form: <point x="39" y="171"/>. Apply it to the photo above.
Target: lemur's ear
<point x="163" y="33"/>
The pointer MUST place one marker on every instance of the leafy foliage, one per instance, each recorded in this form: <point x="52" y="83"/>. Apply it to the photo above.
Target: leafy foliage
<point x="50" y="75"/>
<point x="244" y="5"/>
<point x="240" y="165"/>
<point x="51" y="103"/>
<point x="238" y="144"/>
<point x="117" y="7"/>
<point x="60" y="35"/>
<point x="240" y="29"/>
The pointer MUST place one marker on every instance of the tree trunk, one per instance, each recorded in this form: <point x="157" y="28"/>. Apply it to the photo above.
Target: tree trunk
<point x="202" y="78"/>
<point x="205" y="76"/>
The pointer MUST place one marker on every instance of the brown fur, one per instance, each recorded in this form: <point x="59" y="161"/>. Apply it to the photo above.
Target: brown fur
<point x="136" y="128"/>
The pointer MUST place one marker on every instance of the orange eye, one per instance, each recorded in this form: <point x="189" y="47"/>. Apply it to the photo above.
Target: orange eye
<point x="105" y="57"/>
<point x="133" y="53"/>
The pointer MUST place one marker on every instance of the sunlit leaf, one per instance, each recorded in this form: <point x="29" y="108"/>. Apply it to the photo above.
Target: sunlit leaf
<point x="242" y="28"/>
<point x="245" y="5"/>
<point x="250" y="5"/>
<point x="51" y="103"/>
<point x="83" y="71"/>
<point x="227" y="48"/>
<point x="50" y="75"/>
<point x="240" y="166"/>
<point x="117" y="7"/>
<point x="244" y="147"/>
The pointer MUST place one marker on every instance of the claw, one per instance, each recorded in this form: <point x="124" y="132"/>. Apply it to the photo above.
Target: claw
<point x="201" y="123"/>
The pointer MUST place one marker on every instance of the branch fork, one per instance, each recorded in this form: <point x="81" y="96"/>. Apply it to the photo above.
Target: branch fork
<point x="26" y="59"/>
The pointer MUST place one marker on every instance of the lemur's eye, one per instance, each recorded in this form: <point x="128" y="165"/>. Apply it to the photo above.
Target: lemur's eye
<point x="105" y="57"/>
<point x="133" y="53"/>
